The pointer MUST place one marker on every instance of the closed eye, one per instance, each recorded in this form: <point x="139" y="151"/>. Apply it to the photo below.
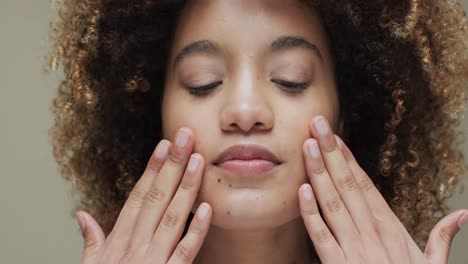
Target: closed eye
<point x="204" y="89"/>
<point x="291" y="85"/>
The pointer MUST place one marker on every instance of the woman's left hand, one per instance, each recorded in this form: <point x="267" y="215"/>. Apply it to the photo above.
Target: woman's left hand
<point x="360" y="225"/>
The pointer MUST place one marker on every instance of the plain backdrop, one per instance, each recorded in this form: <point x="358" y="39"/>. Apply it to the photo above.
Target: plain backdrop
<point x="36" y="225"/>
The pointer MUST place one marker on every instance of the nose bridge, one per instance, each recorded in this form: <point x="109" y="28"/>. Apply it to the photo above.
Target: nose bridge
<point x="246" y="87"/>
<point x="246" y="106"/>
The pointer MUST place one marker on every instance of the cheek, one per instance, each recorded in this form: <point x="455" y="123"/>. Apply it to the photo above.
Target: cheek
<point x="320" y="100"/>
<point x="293" y="125"/>
<point x="175" y="114"/>
<point x="183" y="113"/>
<point x="294" y="132"/>
<point x="173" y="111"/>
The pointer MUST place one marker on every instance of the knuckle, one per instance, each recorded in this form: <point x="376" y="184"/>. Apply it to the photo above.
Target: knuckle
<point x="318" y="169"/>
<point x="184" y="253"/>
<point x="136" y="197"/>
<point x="329" y="145"/>
<point x="176" y="158"/>
<point x="348" y="183"/>
<point x="170" y="218"/>
<point x="334" y="205"/>
<point x="154" y="165"/>
<point x="445" y="236"/>
<point x="347" y="155"/>
<point x="89" y="244"/>
<point x="187" y="183"/>
<point x="366" y="184"/>
<point x="310" y="210"/>
<point x="155" y="195"/>
<point x="323" y="236"/>
<point x="197" y="229"/>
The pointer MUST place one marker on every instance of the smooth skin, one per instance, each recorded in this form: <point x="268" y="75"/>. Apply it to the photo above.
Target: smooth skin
<point x="358" y="225"/>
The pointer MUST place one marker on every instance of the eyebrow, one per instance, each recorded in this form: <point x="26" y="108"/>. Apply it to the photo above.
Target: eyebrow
<point x="289" y="42"/>
<point x="210" y="47"/>
<point x="202" y="46"/>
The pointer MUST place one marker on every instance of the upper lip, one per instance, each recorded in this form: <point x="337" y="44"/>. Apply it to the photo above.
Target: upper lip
<point x="246" y="152"/>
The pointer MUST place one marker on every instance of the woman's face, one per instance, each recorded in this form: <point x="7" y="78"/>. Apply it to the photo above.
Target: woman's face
<point x="250" y="51"/>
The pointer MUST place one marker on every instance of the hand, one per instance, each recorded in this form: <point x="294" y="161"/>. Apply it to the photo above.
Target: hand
<point x="152" y="220"/>
<point x="361" y="227"/>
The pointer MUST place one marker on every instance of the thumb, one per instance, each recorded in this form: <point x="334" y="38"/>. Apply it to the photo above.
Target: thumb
<point x="440" y="239"/>
<point x="93" y="236"/>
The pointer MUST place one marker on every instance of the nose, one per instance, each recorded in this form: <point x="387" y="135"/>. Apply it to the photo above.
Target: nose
<point x="246" y="106"/>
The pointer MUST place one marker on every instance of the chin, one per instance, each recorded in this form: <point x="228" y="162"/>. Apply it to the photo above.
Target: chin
<point x="250" y="209"/>
<point x="250" y="221"/>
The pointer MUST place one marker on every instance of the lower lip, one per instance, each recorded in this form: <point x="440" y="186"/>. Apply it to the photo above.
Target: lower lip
<point x="248" y="167"/>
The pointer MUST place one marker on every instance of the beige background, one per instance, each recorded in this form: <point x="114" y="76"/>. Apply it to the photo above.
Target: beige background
<point x="35" y="221"/>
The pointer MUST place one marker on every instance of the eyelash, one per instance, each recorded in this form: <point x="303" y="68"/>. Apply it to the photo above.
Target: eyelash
<point x="202" y="90"/>
<point x="293" y="87"/>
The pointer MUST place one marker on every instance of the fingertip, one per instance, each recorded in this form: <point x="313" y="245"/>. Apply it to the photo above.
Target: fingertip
<point x="306" y="192"/>
<point x="199" y="157"/>
<point x="304" y="186"/>
<point x="162" y="149"/>
<point x="463" y="219"/>
<point x="92" y="229"/>
<point x="203" y="211"/>
<point x="441" y="236"/>
<point x="81" y="219"/>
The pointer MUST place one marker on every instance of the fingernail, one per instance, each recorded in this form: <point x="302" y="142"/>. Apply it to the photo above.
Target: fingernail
<point x="338" y="141"/>
<point x="462" y="221"/>
<point x="307" y="192"/>
<point x="202" y="211"/>
<point x="182" y="138"/>
<point x="161" y="150"/>
<point x="193" y="164"/>
<point x="81" y="221"/>
<point x="321" y="125"/>
<point x="313" y="148"/>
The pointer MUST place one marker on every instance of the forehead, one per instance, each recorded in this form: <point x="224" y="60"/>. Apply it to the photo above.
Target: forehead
<point x="245" y="23"/>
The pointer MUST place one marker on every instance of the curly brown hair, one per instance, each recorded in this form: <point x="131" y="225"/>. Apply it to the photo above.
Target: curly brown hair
<point x="401" y="68"/>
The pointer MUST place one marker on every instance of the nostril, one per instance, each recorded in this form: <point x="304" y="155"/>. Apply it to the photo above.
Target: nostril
<point x="259" y="125"/>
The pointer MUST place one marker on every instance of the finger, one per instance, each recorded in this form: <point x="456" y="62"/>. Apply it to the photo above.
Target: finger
<point x="333" y="209"/>
<point x="93" y="237"/>
<point x="190" y="245"/>
<point x="325" y="244"/>
<point x="377" y="204"/>
<point x="162" y="189"/>
<point x="342" y="176"/>
<point x="388" y="226"/>
<point x="173" y="223"/>
<point x="131" y="209"/>
<point x="441" y="236"/>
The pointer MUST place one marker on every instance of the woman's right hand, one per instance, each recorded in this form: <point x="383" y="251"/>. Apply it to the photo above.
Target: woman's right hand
<point x="153" y="218"/>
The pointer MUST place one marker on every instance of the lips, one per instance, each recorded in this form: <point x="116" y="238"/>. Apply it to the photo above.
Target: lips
<point x="248" y="160"/>
<point x="247" y="152"/>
